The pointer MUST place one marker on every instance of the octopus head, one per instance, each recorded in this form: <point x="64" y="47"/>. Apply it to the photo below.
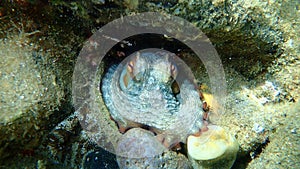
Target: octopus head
<point x="151" y="69"/>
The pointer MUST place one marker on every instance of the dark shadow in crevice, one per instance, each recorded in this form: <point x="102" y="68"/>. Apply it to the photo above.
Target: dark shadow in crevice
<point x="245" y="157"/>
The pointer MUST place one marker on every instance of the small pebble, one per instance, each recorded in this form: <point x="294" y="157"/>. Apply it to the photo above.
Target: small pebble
<point x="258" y="128"/>
<point x="293" y="131"/>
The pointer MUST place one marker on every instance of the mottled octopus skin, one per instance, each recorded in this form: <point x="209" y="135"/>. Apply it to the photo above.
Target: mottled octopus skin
<point x="144" y="97"/>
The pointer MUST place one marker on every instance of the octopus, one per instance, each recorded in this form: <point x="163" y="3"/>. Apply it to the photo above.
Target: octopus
<point x="155" y="90"/>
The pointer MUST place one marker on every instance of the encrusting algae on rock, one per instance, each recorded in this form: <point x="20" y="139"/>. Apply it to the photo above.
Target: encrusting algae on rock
<point x="262" y="33"/>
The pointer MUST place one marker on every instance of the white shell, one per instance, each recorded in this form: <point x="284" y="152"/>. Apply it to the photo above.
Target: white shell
<point x="214" y="147"/>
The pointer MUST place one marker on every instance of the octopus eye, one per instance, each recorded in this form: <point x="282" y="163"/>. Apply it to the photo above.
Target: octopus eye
<point x="173" y="71"/>
<point x="131" y="74"/>
<point x="175" y="88"/>
<point x="130" y="67"/>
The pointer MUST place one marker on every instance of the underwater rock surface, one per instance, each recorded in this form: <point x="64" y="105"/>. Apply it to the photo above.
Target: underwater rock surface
<point x="99" y="159"/>
<point x="29" y="97"/>
<point x="258" y="43"/>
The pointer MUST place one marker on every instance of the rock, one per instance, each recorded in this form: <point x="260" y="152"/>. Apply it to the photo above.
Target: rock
<point x="29" y="96"/>
<point x="168" y="159"/>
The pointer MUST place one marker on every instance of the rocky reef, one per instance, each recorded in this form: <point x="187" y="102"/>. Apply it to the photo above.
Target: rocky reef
<point x="258" y="43"/>
<point x="30" y="95"/>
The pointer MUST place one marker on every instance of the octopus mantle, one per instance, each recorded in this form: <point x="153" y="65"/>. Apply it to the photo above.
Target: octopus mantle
<point x="140" y="92"/>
